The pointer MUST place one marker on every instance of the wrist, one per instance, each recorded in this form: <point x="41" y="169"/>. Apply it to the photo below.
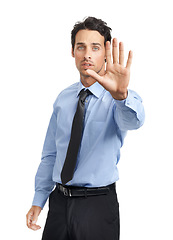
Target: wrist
<point x="120" y="96"/>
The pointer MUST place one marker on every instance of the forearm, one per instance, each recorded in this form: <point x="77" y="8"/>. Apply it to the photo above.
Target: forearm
<point x="43" y="181"/>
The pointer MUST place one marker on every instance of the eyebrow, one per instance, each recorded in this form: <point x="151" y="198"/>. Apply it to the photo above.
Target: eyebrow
<point x="82" y="43"/>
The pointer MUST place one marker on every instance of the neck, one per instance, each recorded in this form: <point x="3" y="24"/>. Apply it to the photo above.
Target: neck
<point x="87" y="81"/>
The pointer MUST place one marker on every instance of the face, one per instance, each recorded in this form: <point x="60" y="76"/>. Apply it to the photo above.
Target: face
<point x="89" y="53"/>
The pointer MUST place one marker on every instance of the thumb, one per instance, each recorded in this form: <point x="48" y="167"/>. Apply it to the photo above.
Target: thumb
<point x="34" y="221"/>
<point x="94" y="75"/>
<point x="35" y="218"/>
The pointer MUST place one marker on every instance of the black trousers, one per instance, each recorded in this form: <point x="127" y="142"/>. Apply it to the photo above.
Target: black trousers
<point x="82" y="218"/>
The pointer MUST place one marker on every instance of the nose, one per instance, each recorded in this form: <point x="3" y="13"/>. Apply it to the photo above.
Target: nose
<point x="87" y="55"/>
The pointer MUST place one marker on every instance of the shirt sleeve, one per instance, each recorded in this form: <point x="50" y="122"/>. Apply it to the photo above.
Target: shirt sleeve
<point x="43" y="179"/>
<point x="129" y="113"/>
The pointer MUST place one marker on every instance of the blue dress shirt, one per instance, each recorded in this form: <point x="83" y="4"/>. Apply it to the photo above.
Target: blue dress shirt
<point x="105" y="126"/>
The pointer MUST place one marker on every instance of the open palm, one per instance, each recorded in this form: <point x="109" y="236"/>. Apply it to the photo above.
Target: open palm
<point x="116" y="77"/>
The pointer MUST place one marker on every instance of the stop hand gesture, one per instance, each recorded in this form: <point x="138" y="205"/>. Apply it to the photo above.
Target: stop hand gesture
<point x="116" y="78"/>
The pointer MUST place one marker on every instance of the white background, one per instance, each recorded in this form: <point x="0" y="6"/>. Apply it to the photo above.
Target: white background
<point x="36" y="64"/>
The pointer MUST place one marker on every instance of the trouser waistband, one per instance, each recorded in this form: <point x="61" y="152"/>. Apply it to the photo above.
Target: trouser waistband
<point x="75" y="191"/>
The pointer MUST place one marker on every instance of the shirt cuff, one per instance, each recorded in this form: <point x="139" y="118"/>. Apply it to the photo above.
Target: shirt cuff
<point x="40" y="199"/>
<point x="129" y="102"/>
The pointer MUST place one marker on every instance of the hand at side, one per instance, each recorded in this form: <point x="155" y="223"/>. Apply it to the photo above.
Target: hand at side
<point x="32" y="217"/>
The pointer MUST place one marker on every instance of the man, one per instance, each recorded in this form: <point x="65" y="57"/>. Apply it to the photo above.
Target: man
<point x="81" y="159"/>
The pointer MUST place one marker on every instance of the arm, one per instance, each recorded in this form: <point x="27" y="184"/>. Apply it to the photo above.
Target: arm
<point x="43" y="179"/>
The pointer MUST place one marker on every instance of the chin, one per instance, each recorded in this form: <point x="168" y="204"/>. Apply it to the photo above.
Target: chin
<point x="84" y="74"/>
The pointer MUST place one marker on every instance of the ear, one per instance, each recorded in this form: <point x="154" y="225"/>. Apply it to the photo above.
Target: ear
<point x="72" y="52"/>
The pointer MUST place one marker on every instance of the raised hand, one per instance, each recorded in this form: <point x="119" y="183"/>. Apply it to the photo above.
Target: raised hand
<point x="116" y="78"/>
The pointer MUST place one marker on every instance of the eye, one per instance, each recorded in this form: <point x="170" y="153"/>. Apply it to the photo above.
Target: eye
<point x="80" y="48"/>
<point x="95" y="48"/>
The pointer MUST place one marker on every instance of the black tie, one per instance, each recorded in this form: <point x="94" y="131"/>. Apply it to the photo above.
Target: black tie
<point x="75" y="139"/>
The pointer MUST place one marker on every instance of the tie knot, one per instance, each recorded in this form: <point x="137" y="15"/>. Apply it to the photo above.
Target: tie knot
<point x="83" y="94"/>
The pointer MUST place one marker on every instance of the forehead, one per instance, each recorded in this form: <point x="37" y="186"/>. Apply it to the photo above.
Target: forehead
<point x="89" y="37"/>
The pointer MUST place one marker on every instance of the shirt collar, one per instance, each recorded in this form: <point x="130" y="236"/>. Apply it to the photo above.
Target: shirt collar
<point x="95" y="88"/>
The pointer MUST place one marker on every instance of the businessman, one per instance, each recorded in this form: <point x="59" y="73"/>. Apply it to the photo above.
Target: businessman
<point x="78" y="170"/>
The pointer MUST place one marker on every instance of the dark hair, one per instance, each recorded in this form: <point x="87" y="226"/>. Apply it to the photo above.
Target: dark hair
<point x="92" y="23"/>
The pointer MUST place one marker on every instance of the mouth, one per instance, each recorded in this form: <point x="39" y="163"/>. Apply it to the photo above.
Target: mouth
<point x="87" y="65"/>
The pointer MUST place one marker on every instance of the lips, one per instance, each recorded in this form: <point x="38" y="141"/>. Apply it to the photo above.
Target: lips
<point x="87" y="64"/>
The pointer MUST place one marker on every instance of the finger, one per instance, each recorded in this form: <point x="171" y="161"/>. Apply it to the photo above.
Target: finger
<point x="33" y="224"/>
<point x="34" y="221"/>
<point x="108" y="52"/>
<point x="35" y="227"/>
<point x="121" y="53"/>
<point x="115" y="50"/>
<point x="129" y="60"/>
<point x="94" y="75"/>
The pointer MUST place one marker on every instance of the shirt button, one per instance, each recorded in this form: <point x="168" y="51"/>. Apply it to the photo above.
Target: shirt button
<point x="86" y="101"/>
